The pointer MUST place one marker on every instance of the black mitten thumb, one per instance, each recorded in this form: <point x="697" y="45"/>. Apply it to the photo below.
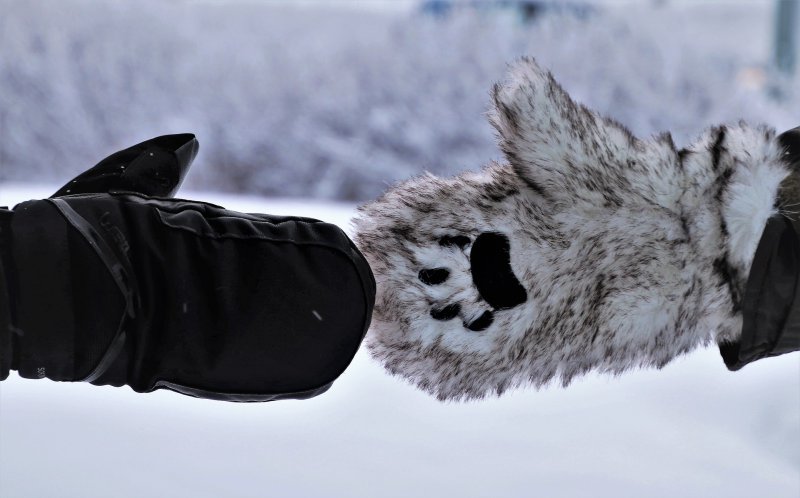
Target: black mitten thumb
<point x="155" y="168"/>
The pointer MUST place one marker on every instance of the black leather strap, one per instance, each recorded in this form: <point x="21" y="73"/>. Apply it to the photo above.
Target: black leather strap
<point x="121" y="273"/>
<point x="119" y="269"/>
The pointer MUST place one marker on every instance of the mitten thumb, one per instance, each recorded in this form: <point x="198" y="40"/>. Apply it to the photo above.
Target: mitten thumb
<point x="155" y="168"/>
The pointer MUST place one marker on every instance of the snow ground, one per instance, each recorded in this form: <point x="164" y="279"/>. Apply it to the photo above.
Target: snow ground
<point x="692" y="429"/>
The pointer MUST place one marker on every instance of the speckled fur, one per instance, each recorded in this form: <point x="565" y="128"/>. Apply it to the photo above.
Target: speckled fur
<point x="631" y="252"/>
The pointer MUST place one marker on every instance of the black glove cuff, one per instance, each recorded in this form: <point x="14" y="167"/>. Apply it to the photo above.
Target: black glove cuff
<point x="6" y="268"/>
<point x="68" y="307"/>
<point x="771" y="305"/>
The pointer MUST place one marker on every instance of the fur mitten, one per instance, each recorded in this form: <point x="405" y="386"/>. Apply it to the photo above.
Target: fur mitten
<point x="590" y="249"/>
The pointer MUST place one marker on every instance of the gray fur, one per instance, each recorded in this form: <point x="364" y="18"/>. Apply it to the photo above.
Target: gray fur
<point x="631" y="252"/>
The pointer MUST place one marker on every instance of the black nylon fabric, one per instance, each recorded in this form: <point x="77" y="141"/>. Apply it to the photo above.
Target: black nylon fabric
<point x="771" y="305"/>
<point x="68" y="306"/>
<point x="5" y="292"/>
<point x="228" y="305"/>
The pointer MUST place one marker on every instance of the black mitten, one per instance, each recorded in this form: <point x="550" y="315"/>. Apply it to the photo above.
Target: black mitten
<point x="125" y="289"/>
<point x="121" y="288"/>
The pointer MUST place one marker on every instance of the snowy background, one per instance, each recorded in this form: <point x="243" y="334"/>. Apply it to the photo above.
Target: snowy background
<point x="326" y="104"/>
<point x="335" y="100"/>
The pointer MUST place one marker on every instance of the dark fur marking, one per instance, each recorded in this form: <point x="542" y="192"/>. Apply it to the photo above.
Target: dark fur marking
<point x="497" y="195"/>
<point x="599" y="294"/>
<point x="690" y="290"/>
<point x="722" y="183"/>
<point x="685" y="225"/>
<point x="512" y="157"/>
<point x="447" y="313"/>
<point x="684" y="153"/>
<point x="717" y="148"/>
<point x="434" y="276"/>
<point x="723" y="229"/>
<point x="459" y="241"/>
<point x="729" y="277"/>
<point x="482" y="322"/>
<point x="490" y="262"/>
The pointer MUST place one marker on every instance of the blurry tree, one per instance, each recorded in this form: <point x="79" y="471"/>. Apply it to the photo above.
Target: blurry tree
<point x="339" y="103"/>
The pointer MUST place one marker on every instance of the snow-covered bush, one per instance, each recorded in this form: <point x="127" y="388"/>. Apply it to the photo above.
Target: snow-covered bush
<point x="340" y="103"/>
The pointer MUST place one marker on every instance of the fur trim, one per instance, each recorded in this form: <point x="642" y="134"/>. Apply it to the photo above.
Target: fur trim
<point x="629" y="251"/>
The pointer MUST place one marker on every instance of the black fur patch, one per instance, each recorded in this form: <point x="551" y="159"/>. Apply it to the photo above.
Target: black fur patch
<point x="447" y="313"/>
<point x="490" y="261"/>
<point x="460" y="241"/>
<point x="481" y="323"/>
<point x="717" y="148"/>
<point x="434" y="276"/>
<point x="729" y="276"/>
